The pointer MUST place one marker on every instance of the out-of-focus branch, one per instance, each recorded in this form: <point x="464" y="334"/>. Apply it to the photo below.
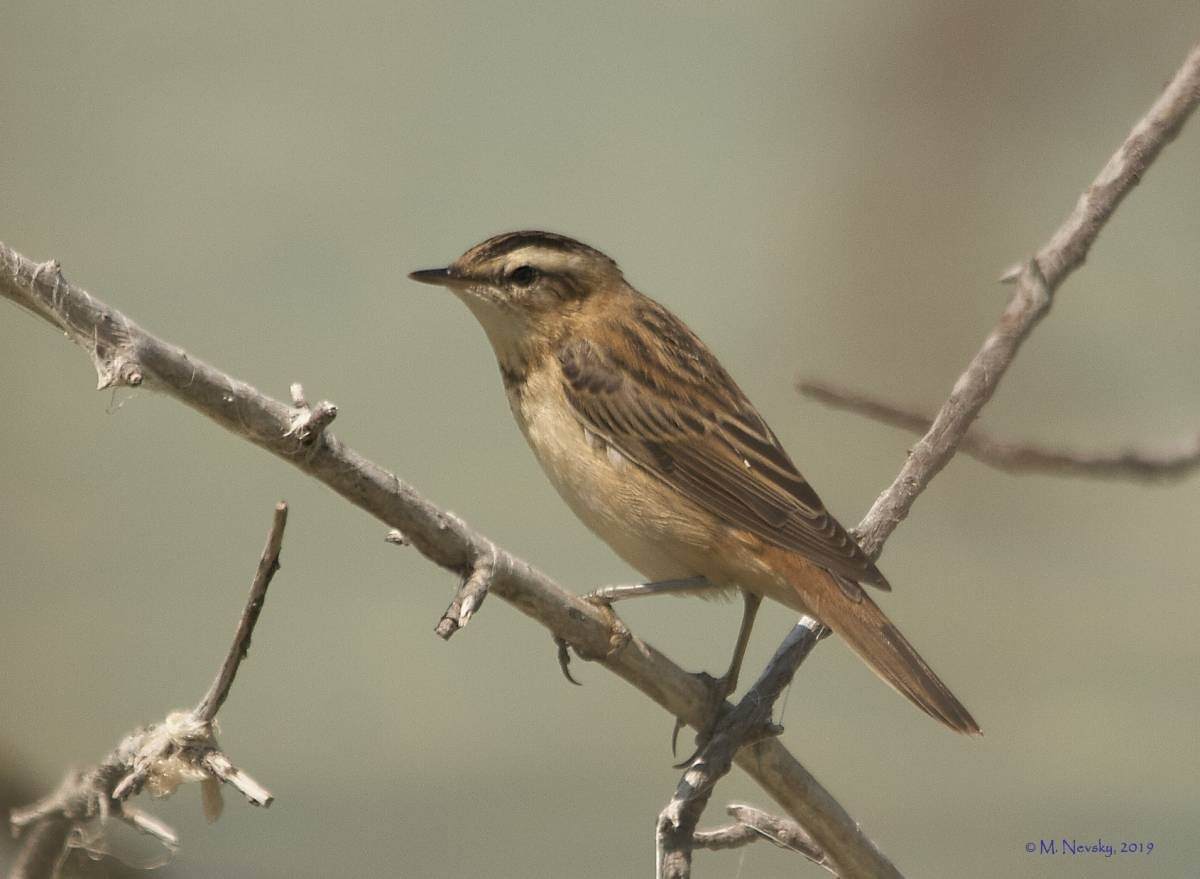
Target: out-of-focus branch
<point x="125" y="354"/>
<point x="158" y="758"/>
<point x="1036" y="280"/>
<point x="1137" y="464"/>
<point x="43" y="849"/>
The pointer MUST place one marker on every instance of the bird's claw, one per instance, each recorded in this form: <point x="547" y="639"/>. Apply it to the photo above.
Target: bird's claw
<point x="564" y="659"/>
<point x="618" y="636"/>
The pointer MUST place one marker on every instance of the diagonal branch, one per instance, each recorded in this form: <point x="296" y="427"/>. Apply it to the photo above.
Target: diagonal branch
<point x="1138" y="464"/>
<point x="1036" y="282"/>
<point x="124" y="353"/>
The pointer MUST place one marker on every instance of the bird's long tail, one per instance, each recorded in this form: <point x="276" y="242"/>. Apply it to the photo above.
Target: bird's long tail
<point x="851" y="613"/>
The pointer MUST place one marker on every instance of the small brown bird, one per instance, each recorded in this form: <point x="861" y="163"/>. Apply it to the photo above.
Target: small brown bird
<point x="657" y="450"/>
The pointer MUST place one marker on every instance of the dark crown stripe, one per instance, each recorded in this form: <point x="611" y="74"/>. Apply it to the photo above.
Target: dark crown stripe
<point x="510" y="241"/>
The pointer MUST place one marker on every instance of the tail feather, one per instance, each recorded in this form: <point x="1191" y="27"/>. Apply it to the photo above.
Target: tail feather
<point x="851" y="613"/>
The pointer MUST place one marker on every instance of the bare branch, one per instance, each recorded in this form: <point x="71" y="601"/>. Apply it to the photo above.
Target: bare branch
<point x="1037" y="280"/>
<point x="469" y="596"/>
<point x="1137" y="464"/>
<point x="120" y="347"/>
<point x="751" y="825"/>
<point x="268" y="564"/>
<point x="159" y="758"/>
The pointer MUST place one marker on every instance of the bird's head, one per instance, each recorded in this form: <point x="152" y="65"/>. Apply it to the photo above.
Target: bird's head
<point x="526" y="287"/>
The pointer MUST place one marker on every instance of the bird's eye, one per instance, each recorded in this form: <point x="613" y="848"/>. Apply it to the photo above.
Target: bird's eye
<point x="523" y="276"/>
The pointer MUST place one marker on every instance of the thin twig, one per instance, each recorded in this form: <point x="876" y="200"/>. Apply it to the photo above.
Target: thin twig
<point x="309" y="422"/>
<point x="469" y="596"/>
<point x="119" y="348"/>
<point x="268" y="564"/>
<point x="1137" y="464"/>
<point x="752" y="825"/>
<point x="224" y="770"/>
<point x="158" y="758"/>
<point x="150" y="825"/>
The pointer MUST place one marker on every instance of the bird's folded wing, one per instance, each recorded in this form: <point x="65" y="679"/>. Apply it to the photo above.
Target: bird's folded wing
<point x="683" y="419"/>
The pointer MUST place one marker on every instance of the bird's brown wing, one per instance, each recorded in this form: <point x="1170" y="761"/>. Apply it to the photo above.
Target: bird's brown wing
<point x="662" y="400"/>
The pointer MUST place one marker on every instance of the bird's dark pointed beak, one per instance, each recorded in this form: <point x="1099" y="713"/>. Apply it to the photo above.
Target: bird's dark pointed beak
<point x="440" y="277"/>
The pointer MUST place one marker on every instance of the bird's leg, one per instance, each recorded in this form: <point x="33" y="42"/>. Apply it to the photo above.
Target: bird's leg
<point x="608" y="594"/>
<point x="720" y="688"/>
<point x="604" y="597"/>
<point x="728" y="682"/>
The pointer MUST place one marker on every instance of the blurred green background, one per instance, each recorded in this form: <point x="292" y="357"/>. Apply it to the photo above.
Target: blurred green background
<point x="829" y="189"/>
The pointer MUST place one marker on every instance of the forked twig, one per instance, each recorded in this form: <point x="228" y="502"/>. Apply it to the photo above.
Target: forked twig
<point x="158" y="758"/>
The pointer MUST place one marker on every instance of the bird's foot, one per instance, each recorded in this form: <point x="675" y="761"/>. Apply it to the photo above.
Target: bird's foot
<point x="618" y="636"/>
<point x="744" y="720"/>
<point x="618" y="633"/>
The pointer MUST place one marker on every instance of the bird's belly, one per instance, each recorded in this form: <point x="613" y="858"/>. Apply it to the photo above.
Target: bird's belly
<point x="648" y="525"/>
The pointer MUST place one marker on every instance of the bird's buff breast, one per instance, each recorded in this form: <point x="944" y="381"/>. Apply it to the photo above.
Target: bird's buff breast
<point x="653" y="529"/>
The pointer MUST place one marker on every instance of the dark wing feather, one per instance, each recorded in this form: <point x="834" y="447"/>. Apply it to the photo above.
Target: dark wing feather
<point x="682" y="418"/>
